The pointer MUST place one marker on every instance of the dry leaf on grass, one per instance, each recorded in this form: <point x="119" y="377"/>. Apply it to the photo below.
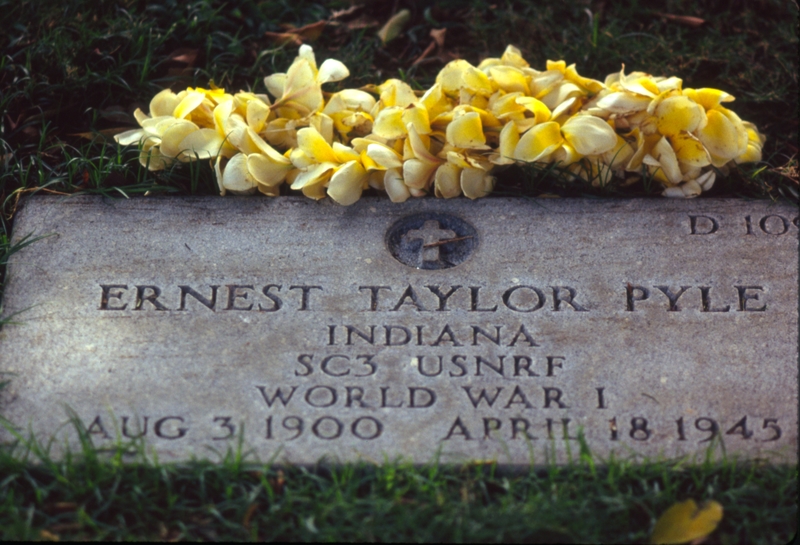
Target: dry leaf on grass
<point x="394" y="26"/>
<point x="298" y="36"/>
<point x="183" y="55"/>
<point x="687" y="20"/>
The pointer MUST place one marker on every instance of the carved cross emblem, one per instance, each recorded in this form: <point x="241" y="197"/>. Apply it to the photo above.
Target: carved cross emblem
<point x="432" y="236"/>
<point x="431" y="240"/>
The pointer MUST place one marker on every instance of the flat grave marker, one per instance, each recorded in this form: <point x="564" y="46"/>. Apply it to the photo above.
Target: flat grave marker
<point x="498" y="329"/>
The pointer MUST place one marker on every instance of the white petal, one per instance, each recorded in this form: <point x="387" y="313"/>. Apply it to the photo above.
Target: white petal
<point x="236" y="178"/>
<point x="589" y="135"/>
<point x="312" y="175"/>
<point x="384" y="156"/>
<point x="417" y="174"/>
<point x="267" y="172"/>
<point x="476" y="183"/>
<point x="347" y="183"/>
<point x="201" y="144"/>
<point x="706" y="181"/>
<point x="307" y="52"/>
<point x="129" y="137"/>
<point x="276" y="83"/>
<point x="395" y="187"/>
<point x="447" y="181"/>
<point x="332" y="70"/>
<point x="164" y="103"/>
<point x="172" y="138"/>
<point x="623" y="103"/>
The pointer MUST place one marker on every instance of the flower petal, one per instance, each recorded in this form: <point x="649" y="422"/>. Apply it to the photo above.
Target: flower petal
<point x="192" y="100"/>
<point x="129" y="137"/>
<point x="417" y="174"/>
<point x="708" y="98"/>
<point x="344" y="154"/>
<point x="451" y="76"/>
<point x="540" y="111"/>
<point x="466" y="132"/>
<point x="384" y="156"/>
<point x="623" y="103"/>
<point x="332" y="70"/>
<point x="690" y="150"/>
<point x="172" y="137"/>
<point x="663" y="156"/>
<point x="678" y="113"/>
<point x="267" y="172"/>
<point x="510" y="79"/>
<point x="275" y="83"/>
<point x="312" y="175"/>
<point x="164" y="103"/>
<point x="418" y="117"/>
<point x="200" y="144"/>
<point x="389" y="123"/>
<point x="447" y="182"/>
<point x="476" y="183"/>
<point x="314" y="146"/>
<point x="721" y="135"/>
<point x="236" y="178"/>
<point x="589" y="135"/>
<point x="395" y="187"/>
<point x="257" y="114"/>
<point x="347" y="183"/>
<point x="539" y="142"/>
<point x="509" y="138"/>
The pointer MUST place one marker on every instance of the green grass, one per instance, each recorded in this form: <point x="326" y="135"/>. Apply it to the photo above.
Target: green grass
<point x="93" y="495"/>
<point x="73" y="72"/>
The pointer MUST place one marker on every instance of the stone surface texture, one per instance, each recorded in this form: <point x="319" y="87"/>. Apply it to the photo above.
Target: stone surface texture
<point x="310" y="330"/>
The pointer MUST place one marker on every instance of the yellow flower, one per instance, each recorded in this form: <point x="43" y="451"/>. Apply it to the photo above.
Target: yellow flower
<point x="300" y="88"/>
<point x="755" y="141"/>
<point x="724" y="136"/>
<point x="448" y="139"/>
<point x="538" y="142"/>
<point x="511" y="57"/>
<point x="392" y="122"/>
<point x="186" y="126"/>
<point x="337" y="168"/>
<point x="419" y="170"/>
<point x="257" y="166"/>
<point x="460" y="75"/>
<point x="350" y="111"/>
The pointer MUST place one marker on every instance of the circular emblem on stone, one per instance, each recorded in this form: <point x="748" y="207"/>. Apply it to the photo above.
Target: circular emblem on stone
<point x="431" y="240"/>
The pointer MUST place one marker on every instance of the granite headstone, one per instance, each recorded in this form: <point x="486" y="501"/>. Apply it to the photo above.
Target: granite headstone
<point x="500" y="329"/>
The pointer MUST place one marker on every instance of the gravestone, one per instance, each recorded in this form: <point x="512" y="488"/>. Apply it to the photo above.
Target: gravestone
<point x="498" y="329"/>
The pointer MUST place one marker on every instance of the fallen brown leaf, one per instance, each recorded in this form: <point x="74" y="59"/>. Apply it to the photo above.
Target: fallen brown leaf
<point x="361" y="22"/>
<point x="438" y="35"/>
<point x="183" y="55"/>
<point x="298" y="36"/>
<point x="47" y="536"/>
<point x="284" y="38"/>
<point x="249" y="515"/>
<point x="339" y="13"/>
<point x="687" y="20"/>
<point x="101" y="135"/>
